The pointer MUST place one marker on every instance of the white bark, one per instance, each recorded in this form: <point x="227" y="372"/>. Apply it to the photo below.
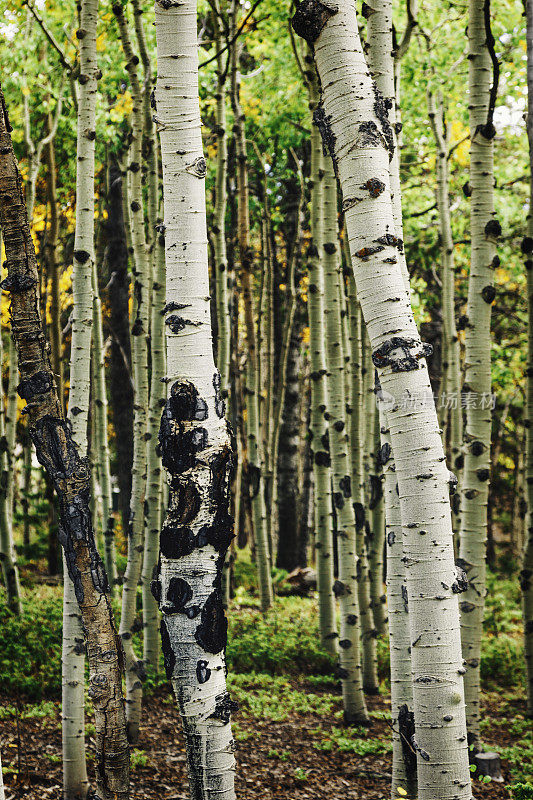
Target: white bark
<point x="356" y="129"/>
<point x="348" y="585"/>
<point x="139" y="331"/>
<point x="194" y="438"/>
<point x="475" y="484"/>
<point x="73" y="652"/>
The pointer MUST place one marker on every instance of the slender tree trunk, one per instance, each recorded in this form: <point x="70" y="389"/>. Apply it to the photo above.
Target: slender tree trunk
<point x="154" y="471"/>
<point x="288" y="555"/>
<point x="323" y="517"/>
<point x="376" y="537"/>
<point x="255" y="475"/>
<point x="53" y="267"/>
<point x="348" y="585"/>
<point x="58" y="453"/>
<point x="356" y="130"/>
<point x="140" y="314"/>
<point x="194" y="438"/>
<point x="8" y="558"/>
<point x="120" y="381"/>
<point x="485" y="230"/>
<point x="451" y="359"/>
<point x="99" y="421"/>
<point x="27" y="487"/>
<point x="11" y="428"/>
<point x="526" y="575"/>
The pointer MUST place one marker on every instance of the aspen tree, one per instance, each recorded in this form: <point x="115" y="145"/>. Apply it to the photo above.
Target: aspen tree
<point x="347" y="588"/>
<point x="154" y="469"/>
<point x="323" y="519"/>
<point x="485" y="230"/>
<point x="99" y="422"/>
<point x="451" y="359"/>
<point x="253" y="434"/>
<point x="73" y="657"/>
<point x="155" y="286"/>
<point x="194" y="438"/>
<point x="58" y="453"/>
<point x="135" y="672"/>
<point x="376" y="536"/>
<point x="219" y="222"/>
<point x="526" y="575"/>
<point x="356" y="130"/>
<point x="8" y="558"/>
<point x="53" y="266"/>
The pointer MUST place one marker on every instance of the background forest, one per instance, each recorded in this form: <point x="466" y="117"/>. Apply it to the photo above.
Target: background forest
<point x="307" y="719"/>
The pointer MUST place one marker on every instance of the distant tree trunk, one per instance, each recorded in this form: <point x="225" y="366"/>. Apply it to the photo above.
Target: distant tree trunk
<point x="255" y="475"/>
<point x="53" y="269"/>
<point x="8" y="557"/>
<point x="485" y="230"/>
<point x="355" y="128"/>
<point x="58" y="453"/>
<point x="451" y="356"/>
<point x="120" y="381"/>
<point x="348" y="584"/>
<point x="288" y="555"/>
<point x="194" y="438"/>
<point x="376" y="536"/>
<point x="26" y="487"/>
<point x="99" y="421"/>
<point x="140" y="330"/>
<point x="526" y="575"/>
<point x="323" y="516"/>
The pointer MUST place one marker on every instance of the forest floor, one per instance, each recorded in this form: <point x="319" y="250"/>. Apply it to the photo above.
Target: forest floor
<point x="290" y="744"/>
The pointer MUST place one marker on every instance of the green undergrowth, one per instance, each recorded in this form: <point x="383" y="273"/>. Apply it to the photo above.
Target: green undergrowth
<point x="282" y="643"/>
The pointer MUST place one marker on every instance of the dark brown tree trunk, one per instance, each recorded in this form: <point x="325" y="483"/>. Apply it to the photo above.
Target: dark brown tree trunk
<point x="70" y="474"/>
<point x="121" y="388"/>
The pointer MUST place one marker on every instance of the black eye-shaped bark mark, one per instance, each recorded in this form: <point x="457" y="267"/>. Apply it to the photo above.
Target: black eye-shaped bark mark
<point x="177" y="541"/>
<point x="401" y="354"/>
<point x="212" y="632"/>
<point x="220" y="406"/>
<point x="406" y="728"/>
<point x="169" y="659"/>
<point x="310" y="18"/>
<point x="186" y="500"/>
<point x="203" y="673"/>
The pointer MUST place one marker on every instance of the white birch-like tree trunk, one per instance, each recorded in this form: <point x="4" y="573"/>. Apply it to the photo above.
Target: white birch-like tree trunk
<point x="348" y="584"/>
<point x="101" y="449"/>
<point x="323" y="516"/>
<point x="135" y="672"/>
<point x="73" y="652"/>
<point x="356" y="130"/>
<point x="451" y="356"/>
<point x="484" y="232"/>
<point x="194" y="438"/>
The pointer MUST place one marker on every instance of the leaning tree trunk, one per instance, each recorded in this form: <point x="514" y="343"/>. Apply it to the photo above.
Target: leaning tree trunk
<point x="194" y="438"/>
<point x="323" y="519"/>
<point x="526" y="576"/>
<point x="356" y="130"/>
<point x="347" y="587"/>
<point x="485" y="230"/>
<point x="58" y="453"/>
<point x="135" y="672"/>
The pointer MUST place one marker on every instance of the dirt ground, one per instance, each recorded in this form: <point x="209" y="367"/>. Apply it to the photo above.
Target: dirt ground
<point x="275" y="760"/>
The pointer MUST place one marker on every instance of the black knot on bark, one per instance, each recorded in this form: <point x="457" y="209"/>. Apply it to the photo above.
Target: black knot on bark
<point x="374" y="186"/>
<point x="82" y="256"/>
<point x="330" y="248"/>
<point x="310" y="19"/>
<point x="526" y="245"/>
<point x="493" y="229"/>
<point x="467" y="190"/>
<point x="488" y="293"/>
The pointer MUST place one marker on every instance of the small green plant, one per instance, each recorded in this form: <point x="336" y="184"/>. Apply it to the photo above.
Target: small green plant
<point x="300" y="775"/>
<point x="522" y="791"/>
<point x="138" y="759"/>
